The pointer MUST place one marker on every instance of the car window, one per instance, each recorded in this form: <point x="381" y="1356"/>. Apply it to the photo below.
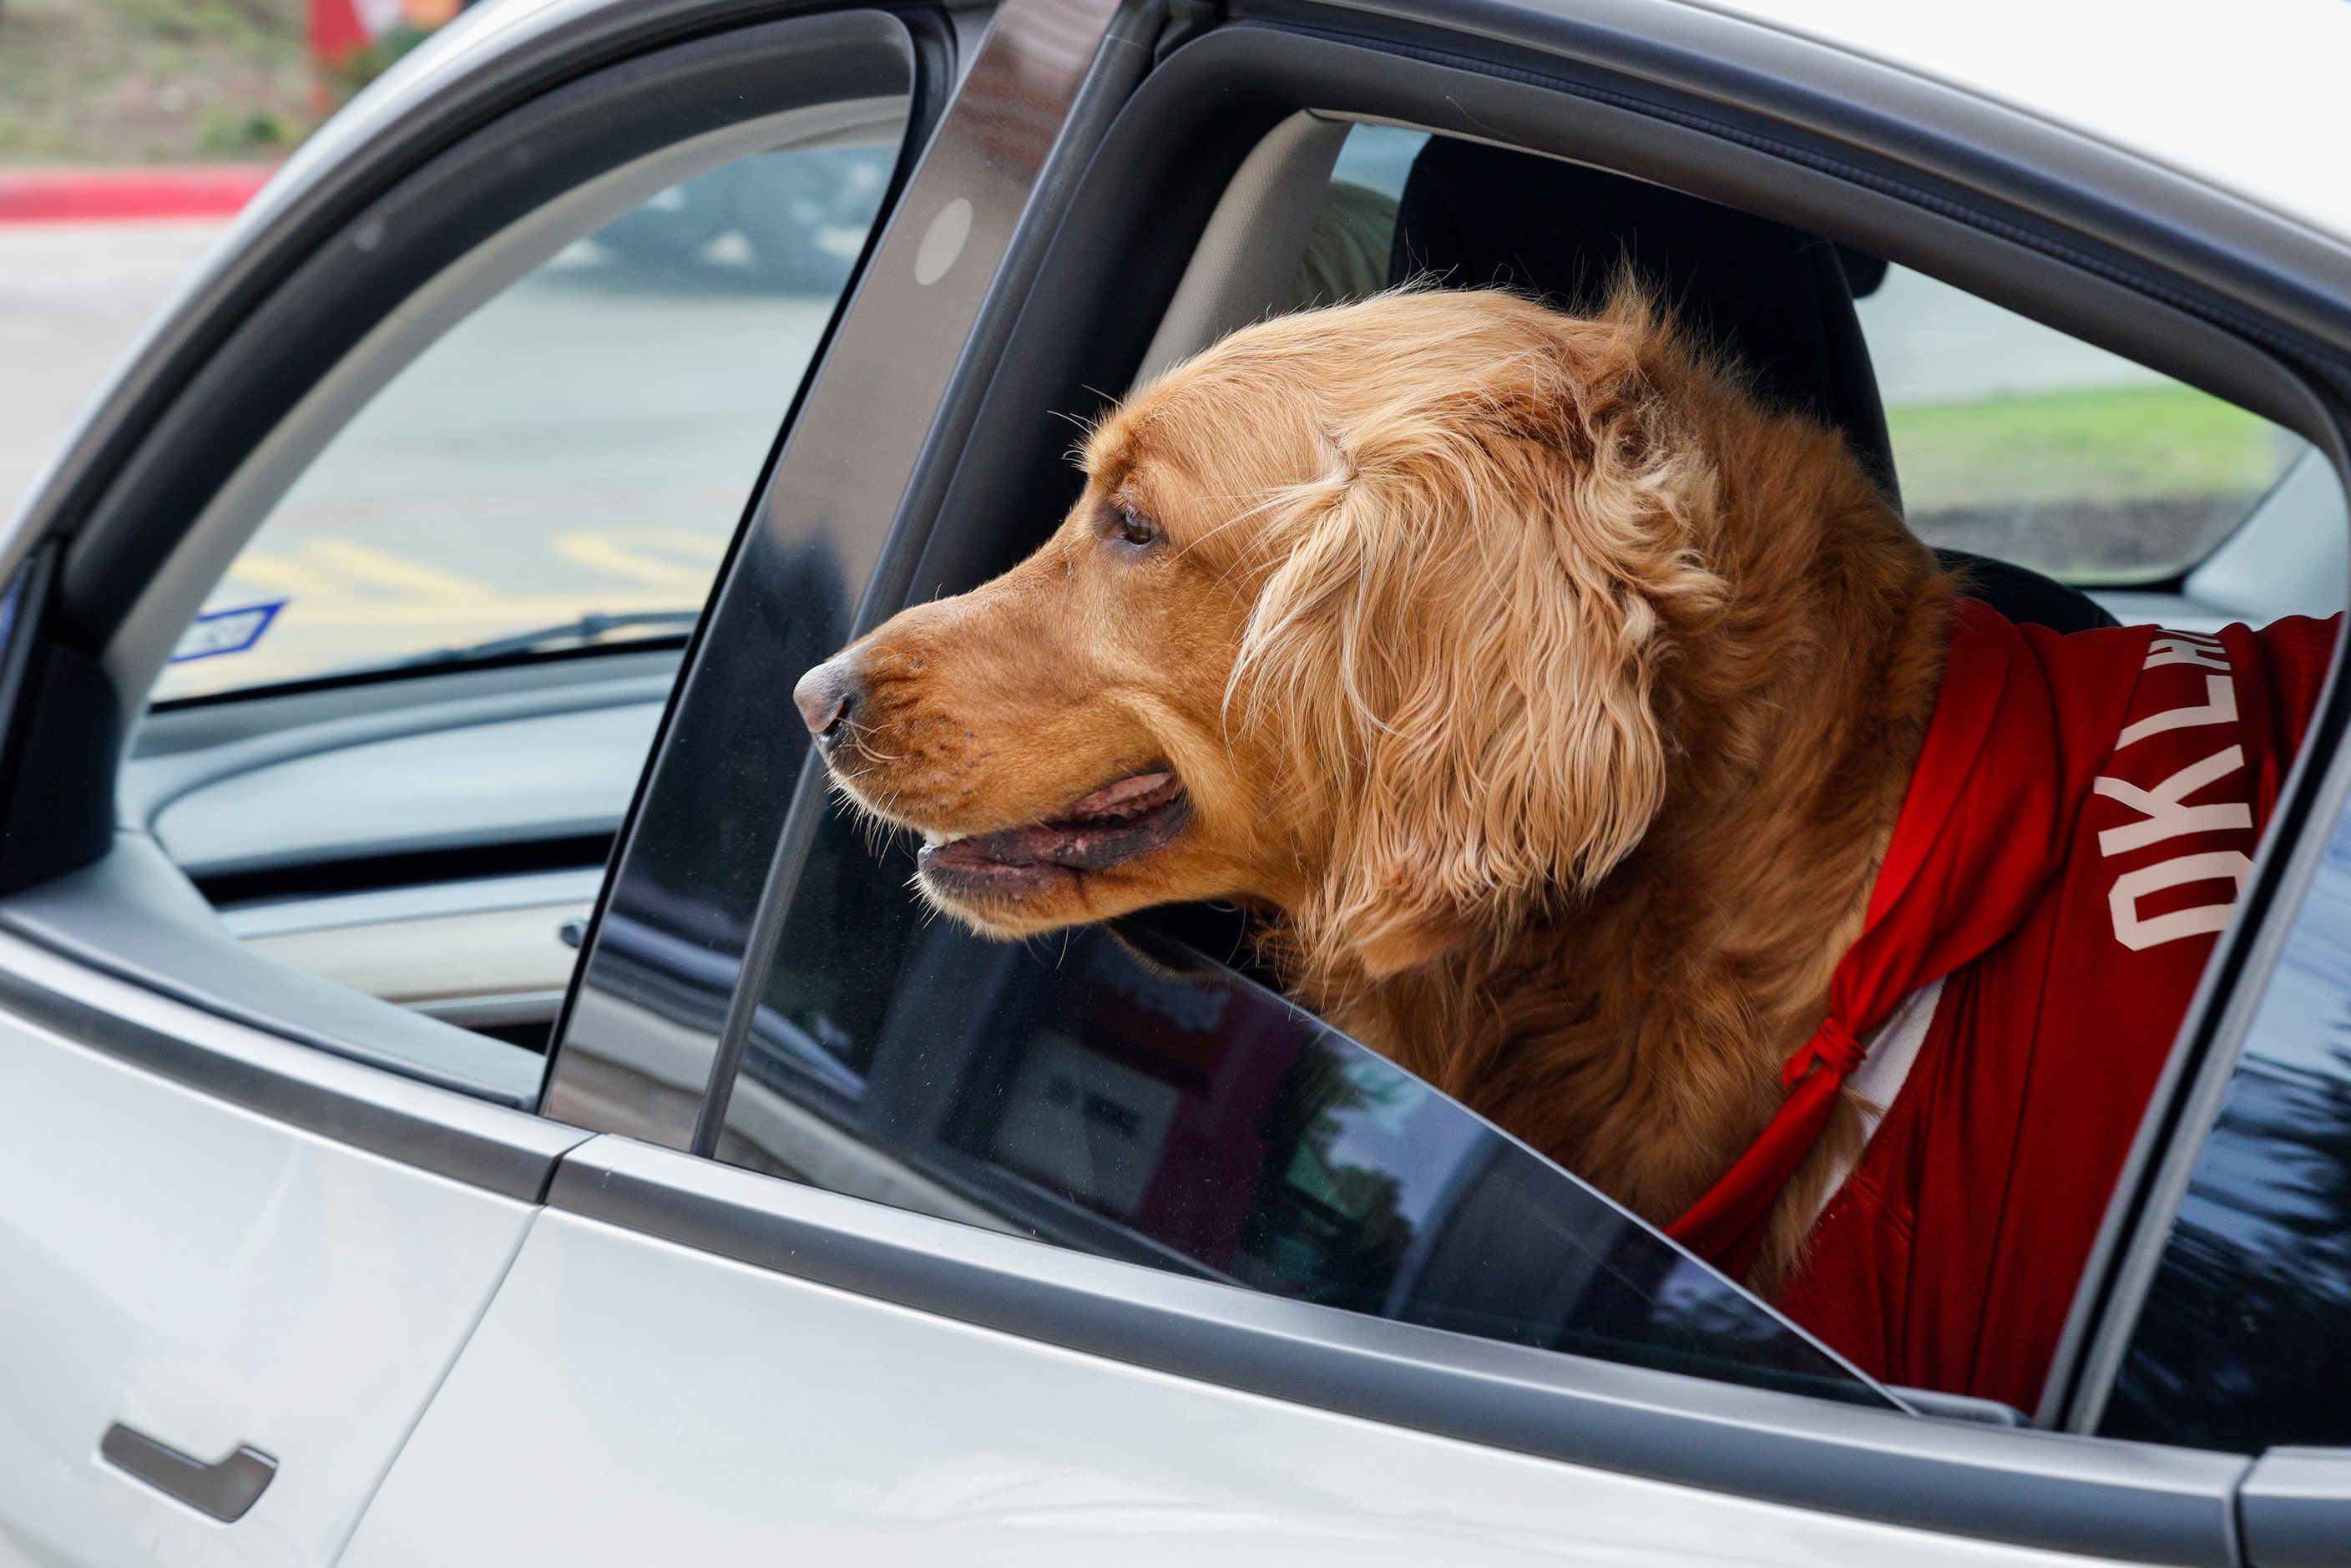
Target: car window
<point x="2244" y="1340"/>
<point x="564" y="466"/>
<point x="1126" y="1093"/>
<point x="1108" y="1090"/>
<point x="2015" y="441"/>
<point x="373" y="749"/>
<point x="1121" y="1093"/>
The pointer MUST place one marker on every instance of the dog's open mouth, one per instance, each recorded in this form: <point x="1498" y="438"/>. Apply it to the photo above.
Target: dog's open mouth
<point x="1116" y="823"/>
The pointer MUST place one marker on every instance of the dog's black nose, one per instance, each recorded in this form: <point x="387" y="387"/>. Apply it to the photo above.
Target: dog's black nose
<point x="827" y="696"/>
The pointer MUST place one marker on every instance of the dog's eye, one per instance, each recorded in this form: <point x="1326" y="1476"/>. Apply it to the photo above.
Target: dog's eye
<point x="1136" y="529"/>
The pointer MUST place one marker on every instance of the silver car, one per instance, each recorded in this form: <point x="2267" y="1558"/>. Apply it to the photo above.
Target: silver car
<point x="469" y="1095"/>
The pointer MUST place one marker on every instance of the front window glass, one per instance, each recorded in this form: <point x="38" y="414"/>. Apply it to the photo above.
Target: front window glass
<point x="564" y="467"/>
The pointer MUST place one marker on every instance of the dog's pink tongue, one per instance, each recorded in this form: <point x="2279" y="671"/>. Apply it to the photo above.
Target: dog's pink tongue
<point x="1115" y="823"/>
<point x="1111" y="796"/>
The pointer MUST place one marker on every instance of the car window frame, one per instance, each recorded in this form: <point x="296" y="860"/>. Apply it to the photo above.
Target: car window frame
<point x="2165" y="1165"/>
<point x="123" y="908"/>
<point x="2059" y="259"/>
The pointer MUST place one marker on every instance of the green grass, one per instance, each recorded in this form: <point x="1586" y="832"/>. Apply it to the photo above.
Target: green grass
<point x="2102" y="446"/>
<point x="152" y="81"/>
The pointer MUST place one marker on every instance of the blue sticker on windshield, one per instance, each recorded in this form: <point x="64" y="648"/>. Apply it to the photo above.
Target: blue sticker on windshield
<point x="219" y="632"/>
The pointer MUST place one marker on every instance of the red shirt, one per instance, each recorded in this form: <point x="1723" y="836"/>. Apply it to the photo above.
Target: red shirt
<point x="1948" y="1258"/>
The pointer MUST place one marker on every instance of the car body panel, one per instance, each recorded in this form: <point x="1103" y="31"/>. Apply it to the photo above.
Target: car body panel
<point x="682" y="1407"/>
<point x="211" y="1277"/>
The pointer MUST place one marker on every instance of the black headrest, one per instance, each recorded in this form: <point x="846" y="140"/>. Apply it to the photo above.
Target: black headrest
<point x="1776" y="298"/>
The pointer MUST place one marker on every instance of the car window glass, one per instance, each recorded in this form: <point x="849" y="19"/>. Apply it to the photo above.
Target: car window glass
<point x="2244" y="1341"/>
<point x="564" y="467"/>
<point x="1124" y="1095"/>
<point x="525" y="470"/>
<point x="1348" y="248"/>
<point x="2015" y="441"/>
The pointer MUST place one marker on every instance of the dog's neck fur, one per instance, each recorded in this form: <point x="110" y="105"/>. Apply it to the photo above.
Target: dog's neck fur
<point x="1636" y="1034"/>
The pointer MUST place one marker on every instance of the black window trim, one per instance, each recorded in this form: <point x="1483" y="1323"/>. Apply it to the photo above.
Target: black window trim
<point x="1011" y="167"/>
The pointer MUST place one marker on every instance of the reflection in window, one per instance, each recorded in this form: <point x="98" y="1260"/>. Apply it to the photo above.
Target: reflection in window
<point x="1125" y="1097"/>
<point x="2244" y="1341"/>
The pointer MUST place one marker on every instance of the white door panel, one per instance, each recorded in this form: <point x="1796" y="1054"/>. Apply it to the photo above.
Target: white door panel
<point x="628" y="1401"/>
<point x="210" y="1278"/>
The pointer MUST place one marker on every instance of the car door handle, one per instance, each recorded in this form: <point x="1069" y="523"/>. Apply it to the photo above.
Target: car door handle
<point x="224" y="1490"/>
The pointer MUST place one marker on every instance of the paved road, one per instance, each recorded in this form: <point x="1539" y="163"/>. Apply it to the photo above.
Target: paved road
<point x="73" y="297"/>
<point x="579" y="445"/>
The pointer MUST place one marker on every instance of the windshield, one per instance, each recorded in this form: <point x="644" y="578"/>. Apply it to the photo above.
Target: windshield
<point x="565" y="466"/>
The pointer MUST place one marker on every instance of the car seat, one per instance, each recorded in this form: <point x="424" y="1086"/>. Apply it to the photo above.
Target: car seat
<point x="1775" y="299"/>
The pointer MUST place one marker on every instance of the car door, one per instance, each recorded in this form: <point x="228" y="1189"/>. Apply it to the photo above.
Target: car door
<point x="896" y="1245"/>
<point x="2228" y="1288"/>
<point x="278" y="833"/>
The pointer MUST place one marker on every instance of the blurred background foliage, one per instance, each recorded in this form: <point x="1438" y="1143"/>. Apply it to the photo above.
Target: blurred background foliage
<point x="176" y="82"/>
<point x="153" y="81"/>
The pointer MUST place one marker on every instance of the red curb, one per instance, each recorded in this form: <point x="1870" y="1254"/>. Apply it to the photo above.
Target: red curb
<point x="87" y="195"/>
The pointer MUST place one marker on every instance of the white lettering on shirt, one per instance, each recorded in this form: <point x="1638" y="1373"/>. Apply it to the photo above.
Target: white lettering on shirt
<point x="2166" y="817"/>
<point x="2138" y="934"/>
<point x="2220" y="707"/>
<point x="2185" y="648"/>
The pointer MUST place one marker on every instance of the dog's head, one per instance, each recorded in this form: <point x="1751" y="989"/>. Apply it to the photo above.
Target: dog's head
<point x="1359" y="618"/>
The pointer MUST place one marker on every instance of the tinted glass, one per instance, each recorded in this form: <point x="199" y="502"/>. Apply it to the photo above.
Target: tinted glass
<point x="566" y="465"/>
<point x="1125" y="1097"/>
<point x="2245" y="1339"/>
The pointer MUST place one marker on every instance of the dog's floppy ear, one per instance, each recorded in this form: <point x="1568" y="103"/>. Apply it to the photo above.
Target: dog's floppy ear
<point x="1465" y="632"/>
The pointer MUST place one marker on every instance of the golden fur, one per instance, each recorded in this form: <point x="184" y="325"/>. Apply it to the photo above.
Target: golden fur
<point x="1554" y="697"/>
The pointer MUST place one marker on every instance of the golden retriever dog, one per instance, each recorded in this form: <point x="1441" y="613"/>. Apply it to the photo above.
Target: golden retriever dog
<point x="1553" y="697"/>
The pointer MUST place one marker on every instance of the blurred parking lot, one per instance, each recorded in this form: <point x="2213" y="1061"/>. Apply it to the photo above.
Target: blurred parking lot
<point x="526" y="471"/>
<point x="579" y="448"/>
<point x="73" y="298"/>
